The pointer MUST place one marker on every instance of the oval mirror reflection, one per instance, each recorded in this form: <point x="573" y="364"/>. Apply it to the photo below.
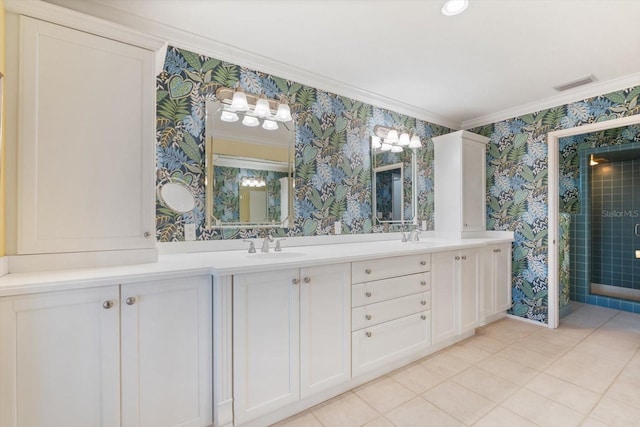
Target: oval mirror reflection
<point x="177" y="197"/>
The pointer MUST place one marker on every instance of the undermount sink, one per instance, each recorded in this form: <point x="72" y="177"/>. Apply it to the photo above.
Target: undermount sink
<point x="281" y="254"/>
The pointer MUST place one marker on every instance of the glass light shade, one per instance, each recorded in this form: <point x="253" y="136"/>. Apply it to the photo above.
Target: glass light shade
<point x="250" y="121"/>
<point x="415" y="142"/>
<point x="392" y="136"/>
<point x="454" y="7"/>
<point x="284" y="113"/>
<point x="375" y="142"/>
<point x="239" y="101"/>
<point x="396" y="149"/>
<point x="385" y="147"/>
<point x="404" y="139"/>
<point x="262" y="109"/>
<point x="269" y="125"/>
<point x="229" y="116"/>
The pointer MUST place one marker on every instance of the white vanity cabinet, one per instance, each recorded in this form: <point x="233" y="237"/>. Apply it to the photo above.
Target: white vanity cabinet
<point x="460" y="184"/>
<point x="497" y="281"/>
<point x="291" y="336"/>
<point x="456" y="284"/>
<point x="391" y="314"/>
<point x="86" y="135"/>
<point x="132" y="355"/>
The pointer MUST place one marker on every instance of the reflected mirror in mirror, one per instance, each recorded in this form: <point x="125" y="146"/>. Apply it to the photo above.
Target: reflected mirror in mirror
<point x="394" y="198"/>
<point x="249" y="169"/>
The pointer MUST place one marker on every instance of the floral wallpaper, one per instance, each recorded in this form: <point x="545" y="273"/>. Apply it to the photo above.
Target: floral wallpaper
<point x="517" y="171"/>
<point x="332" y="148"/>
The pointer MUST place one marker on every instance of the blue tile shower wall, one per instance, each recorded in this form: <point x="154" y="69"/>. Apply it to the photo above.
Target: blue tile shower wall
<point x="615" y="210"/>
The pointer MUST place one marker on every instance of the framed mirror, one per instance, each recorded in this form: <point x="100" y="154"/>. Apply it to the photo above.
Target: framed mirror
<point x="393" y="193"/>
<point x="249" y="170"/>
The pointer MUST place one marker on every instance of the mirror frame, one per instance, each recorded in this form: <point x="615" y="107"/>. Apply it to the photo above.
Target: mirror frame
<point x="210" y="156"/>
<point x="414" y="194"/>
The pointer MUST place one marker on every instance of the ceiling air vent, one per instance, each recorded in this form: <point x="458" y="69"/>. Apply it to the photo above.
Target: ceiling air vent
<point x="575" y="83"/>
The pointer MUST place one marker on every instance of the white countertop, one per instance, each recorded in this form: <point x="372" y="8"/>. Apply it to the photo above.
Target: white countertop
<point x="221" y="263"/>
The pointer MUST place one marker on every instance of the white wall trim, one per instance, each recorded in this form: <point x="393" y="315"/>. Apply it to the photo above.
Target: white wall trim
<point x="216" y="49"/>
<point x="554" y="203"/>
<point x="4" y="265"/>
<point x="578" y="94"/>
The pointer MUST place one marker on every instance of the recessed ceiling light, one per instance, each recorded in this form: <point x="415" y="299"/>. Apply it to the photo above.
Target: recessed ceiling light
<point x="454" y="7"/>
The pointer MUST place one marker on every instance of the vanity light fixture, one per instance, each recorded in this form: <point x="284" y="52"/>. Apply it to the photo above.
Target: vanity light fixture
<point x="252" y="181"/>
<point x="250" y="121"/>
<point x="239" y="100"/>
<point x="454" y="7"/>
<point x="262" y="109"/>
<point x="592" y="161"/>
<point x="387" y="139"/>
<point x="253" y="107"/>
<point x="229" y="117"/>
<point x="284" y="112"/>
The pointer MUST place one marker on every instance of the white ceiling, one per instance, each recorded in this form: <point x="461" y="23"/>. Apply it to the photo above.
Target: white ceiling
<point x="500" y="57"/>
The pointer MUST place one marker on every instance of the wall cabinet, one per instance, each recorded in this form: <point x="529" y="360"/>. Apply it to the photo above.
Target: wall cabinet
<point x="86" y="142"/>
<point x="497" y="281"/>
<point x="456" y="283"/>
<point x="291" y="336"/>
<point x="132" y="355"/>
<point x="460" y="183"/>
<point x="391" y="315"/>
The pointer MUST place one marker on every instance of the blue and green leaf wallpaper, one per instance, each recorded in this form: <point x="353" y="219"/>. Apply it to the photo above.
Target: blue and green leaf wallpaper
<point x="332" y="148"/>
<point x="517" y="169"/>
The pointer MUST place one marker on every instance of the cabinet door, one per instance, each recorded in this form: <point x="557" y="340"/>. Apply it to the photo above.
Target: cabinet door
<point x="473" y="186"/>
<point x="501" y="267"/>
<point x="60" y="359"/>
<point x="166" y="353"/>
<point x="469" y="280"/>
<point x="325" y="327"/>
<point x="86" y="159"/>
<point x="443" y="295"/>
<point x="266" y="368"/>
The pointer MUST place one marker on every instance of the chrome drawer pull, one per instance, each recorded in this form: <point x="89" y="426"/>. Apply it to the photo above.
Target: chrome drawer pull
<point x="368" y="271"/>
<point x="368" y="294"/>
<point x="307" y="280"/>
<point x="423" y="302"/>
<point x="368" y="334"/>
<point x="423" y="283"/>
<point x="130" y="300"/>
<point x="423" y="262"/>
<point x="464" y="257"/>
<point x="107" y="305"/>
<point x="457" y="258"/>
<point x="368" y="317"/>
<point x="295" y="281"/>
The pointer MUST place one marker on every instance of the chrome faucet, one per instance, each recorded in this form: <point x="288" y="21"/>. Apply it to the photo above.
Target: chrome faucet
<point x="413" y="235"/>
<point x="265" y="243"/>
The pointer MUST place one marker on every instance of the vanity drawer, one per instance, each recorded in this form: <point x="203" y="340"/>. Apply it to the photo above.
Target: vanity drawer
<point x="382" y="290"/>
<point x="374" y="347"/>
<point x="374" y="314"/>
<point x="376" y="269"/>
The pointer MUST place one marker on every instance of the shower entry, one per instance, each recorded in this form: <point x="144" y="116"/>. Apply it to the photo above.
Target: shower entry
<point x="614" y="179"/>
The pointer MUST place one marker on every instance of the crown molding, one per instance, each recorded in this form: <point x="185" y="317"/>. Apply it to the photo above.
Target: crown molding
<point x="578" y="94"/>
<point x="225" y="52"/>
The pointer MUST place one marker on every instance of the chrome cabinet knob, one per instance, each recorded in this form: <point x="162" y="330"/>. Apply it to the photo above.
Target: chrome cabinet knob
<point x="464" y="257"/>
<point x="423" y="302"/>
<point x="368" y="317"/>
<point x="423" y="283"/>
<point x="368" y="271"/>
<point x="368" y="334"/>
<point x="295" y="281"/>
<point x="423" y="317"/>
<point x="147" y="234"/>
<point x="368" y="294"/>
<point x="457" y="258"/>
<point x="107" y="304"/>
<point x="423" y="262"/>
<point x="130" y="300"/>
<point x="307" y="280"/>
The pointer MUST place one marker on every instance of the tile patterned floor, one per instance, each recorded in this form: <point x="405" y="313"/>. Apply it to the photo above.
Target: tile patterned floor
<point x="585" y="373"/>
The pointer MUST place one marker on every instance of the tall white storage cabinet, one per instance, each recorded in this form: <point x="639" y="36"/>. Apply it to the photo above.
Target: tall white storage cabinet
<point x="86" y="142"/>
<point x="131" y="355"/>
<point x="460" y="183"/>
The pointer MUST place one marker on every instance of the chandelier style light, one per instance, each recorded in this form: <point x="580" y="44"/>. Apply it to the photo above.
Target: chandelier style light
<point x="389" y="139"/>
<point x="253" y="108"/>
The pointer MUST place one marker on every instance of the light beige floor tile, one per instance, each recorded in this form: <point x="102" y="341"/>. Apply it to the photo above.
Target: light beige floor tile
<point x="542" y="411"/>
<point x="590" y="316"/>
<point x="624" y="321"/>
<point x="528" y="358"/>
<point x="445" y="365"/>
<point x="592" y="422"/>
<point x="384" y="394"/>
<point x="420" y="413"/>
<point x="625" y="389"/>
<point x="417" y="378"/>
<point x="508" y="330"/>
<point x="546" y="344"/>
<point x="589" y="372"/>
<point x="508" y="370"/>
<point x="459" y="402"/>
<point x="487" y="343"/>
<point x="501" y="417"/>
<point x="604" y="351"/>
<point x="379" y="422"/>
<point x="487" y="385"/>
<point x="615" y="339"/>
<point x="565" y="393"/>
<point x="614" y="413"/>
<point x="303" y="419"/>
<point x="469" y="353"/>
<point x="346" y="410"/>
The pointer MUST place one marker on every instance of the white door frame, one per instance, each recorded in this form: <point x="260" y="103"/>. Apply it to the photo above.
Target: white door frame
<point x="554" y="202"/>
